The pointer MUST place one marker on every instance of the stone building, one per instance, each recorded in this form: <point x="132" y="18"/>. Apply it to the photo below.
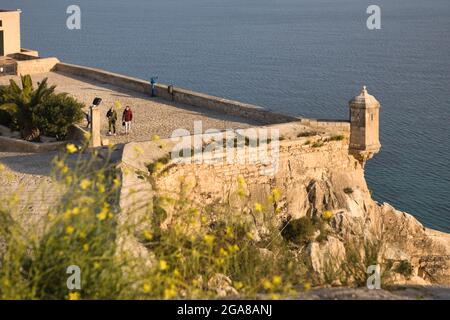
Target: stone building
<point x="364" y="126"/>
<point x="9" y="32"/>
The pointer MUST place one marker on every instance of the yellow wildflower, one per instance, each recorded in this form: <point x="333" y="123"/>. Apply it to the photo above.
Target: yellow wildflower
<point x="67" y="214"/>
<point x="327" y="215"/>
<point x="266" y="284"/>
<point x="158" y="166"/>
<point x="148" y="235"/>
<point x="71" y="148"/>
<point x="101" y="188"/>
<point x="275" y="296"/>
<point x="97" y="265"/>
<point x="146" y="287"/>
<point x="276" y="280"/>
<point x="70" y="229"/>
<point x="195" y="253"/>
<point x="220" y="261"/>
<point x="116" y="182"/>
<point x="155" y="137"/>
<point x="209" y="239"/>
<point x="169" y="293"/>
<point x="102" y="215"/>
<point x="84" y="184"/>
<point x="238" y="285"/>
<point x="2" y="167"/>
<point x="163" y="265"/>
<point x="69" y="180"/>
<point x="258" y="207"/>
<point x="229" y="232"/>
<point x="234" y="248"/>
<point x="86" y="247"/>
<point x="276" y="195"/>
<point x="306" y="286"/>
<point x="223" y="252"/>
<point x="74" y="296"/>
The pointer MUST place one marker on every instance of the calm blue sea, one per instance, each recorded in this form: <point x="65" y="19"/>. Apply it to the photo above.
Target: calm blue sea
<point x="304" y="57"/>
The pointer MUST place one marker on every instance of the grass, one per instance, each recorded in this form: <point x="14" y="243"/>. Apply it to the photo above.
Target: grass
<point x="307" y="134"/>
<point x="188" y="243"/>
<point x="318" y="144"/>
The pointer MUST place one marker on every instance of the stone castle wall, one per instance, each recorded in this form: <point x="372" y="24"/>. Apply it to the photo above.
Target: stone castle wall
<point x="290" y="167"/>
<point x="196" y="99"/>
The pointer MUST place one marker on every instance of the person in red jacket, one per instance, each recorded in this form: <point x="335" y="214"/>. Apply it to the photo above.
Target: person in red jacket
<point x="127" y="117"/>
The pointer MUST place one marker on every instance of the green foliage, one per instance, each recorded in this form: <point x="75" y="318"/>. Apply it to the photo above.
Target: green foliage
<point x="306" y="134"/>
<point x="5" y="117"/>
<point x="22" y="102"/>
<point x="36" y="111"/>
<point x="300" y="231"/>
<point x="336" y="138"/>
<point x="404" y="268"/>
<point x="317" y="144"/>
<point x="55" y="116"/>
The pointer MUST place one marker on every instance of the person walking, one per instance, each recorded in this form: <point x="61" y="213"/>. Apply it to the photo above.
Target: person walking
<point x="112" y="118"/>
<point x="127" y="117"/>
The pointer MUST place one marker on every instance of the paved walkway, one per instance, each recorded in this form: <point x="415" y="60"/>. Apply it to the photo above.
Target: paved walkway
<point x="152" y="116"/>
<point x="28" y="177"/>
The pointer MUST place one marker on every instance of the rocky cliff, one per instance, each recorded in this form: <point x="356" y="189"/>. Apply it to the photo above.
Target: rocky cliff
<point x="315" y="176"/>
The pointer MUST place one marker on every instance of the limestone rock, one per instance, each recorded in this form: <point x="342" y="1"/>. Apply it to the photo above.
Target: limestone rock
<point x="327" y="256"/>
<point x="222" y="285"/>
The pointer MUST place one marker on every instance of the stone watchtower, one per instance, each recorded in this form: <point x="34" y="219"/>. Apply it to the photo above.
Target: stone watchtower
<point x="364" y="126"/>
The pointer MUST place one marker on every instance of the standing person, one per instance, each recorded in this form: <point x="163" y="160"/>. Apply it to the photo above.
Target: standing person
<point x="127" y="117"/>
<point x="112" y="118"/>
<point x="88" y="118"/>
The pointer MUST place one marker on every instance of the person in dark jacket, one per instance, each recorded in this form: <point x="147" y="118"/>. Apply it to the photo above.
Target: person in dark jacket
<point x="127" y="117"/>
<point x="112" y="118"/>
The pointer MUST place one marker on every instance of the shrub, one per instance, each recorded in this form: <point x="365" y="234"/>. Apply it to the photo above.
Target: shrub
<point x="348" y="190"/>
<point x="336" y="138"/>
<point x="306" y="134"/>
<point x="404" y="268"/>
<point x="38" y="110"/>
<point x="5" y="117"/>
<point x="299" y="231"/>
<point x="22" y="102"/>
<point x="317" y="144"/>
<point x="58" y="112"/>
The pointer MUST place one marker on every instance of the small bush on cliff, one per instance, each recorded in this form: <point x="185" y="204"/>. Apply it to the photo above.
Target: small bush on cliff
<point x="58" y="112"/>
<point x="404" y="268"/>
<point x="299" y="231"/>
<point x="336" y="138"/>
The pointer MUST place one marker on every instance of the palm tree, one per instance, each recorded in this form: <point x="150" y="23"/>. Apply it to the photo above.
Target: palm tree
<point x="22" y="104"/>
